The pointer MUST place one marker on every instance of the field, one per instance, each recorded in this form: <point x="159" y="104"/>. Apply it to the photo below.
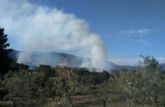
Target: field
<point x="83" y="101"/>
<point x="46" y="86"/>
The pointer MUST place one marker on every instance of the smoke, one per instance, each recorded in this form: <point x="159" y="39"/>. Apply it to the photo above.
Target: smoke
<point x="37" y="28"/>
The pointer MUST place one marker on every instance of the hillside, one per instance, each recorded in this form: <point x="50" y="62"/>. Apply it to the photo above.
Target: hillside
<point x="64" y="59"/>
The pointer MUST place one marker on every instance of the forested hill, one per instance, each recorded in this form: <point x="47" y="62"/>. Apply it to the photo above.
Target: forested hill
<point x="57" y="58"/>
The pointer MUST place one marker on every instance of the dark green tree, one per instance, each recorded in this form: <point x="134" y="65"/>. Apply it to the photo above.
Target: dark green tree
<point x="5" y="60"/>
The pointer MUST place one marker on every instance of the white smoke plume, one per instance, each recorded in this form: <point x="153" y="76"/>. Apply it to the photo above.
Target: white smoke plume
<point x="43" y="29"/>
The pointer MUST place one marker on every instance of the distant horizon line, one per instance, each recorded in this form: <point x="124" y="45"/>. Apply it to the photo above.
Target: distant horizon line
<point x="114" y="60"/>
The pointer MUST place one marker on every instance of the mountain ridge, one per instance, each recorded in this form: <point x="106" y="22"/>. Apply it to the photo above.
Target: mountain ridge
<point x="64" y="59"/>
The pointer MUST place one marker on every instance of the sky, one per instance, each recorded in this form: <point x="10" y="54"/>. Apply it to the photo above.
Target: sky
<point x="128" y="28"/>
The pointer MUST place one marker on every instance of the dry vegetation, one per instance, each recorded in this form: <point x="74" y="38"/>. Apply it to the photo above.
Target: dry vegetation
<point x="74" y="87"/>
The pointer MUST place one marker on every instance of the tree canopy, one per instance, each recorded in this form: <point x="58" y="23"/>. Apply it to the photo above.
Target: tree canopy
<point x="5" y="60"/>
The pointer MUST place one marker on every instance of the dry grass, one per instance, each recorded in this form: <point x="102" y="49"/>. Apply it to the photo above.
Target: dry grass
<point x="90" y="101"/>
<point x="82" y="101"/>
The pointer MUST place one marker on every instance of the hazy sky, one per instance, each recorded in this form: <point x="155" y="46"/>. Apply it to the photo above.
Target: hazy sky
<point x="129" y="28"/>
